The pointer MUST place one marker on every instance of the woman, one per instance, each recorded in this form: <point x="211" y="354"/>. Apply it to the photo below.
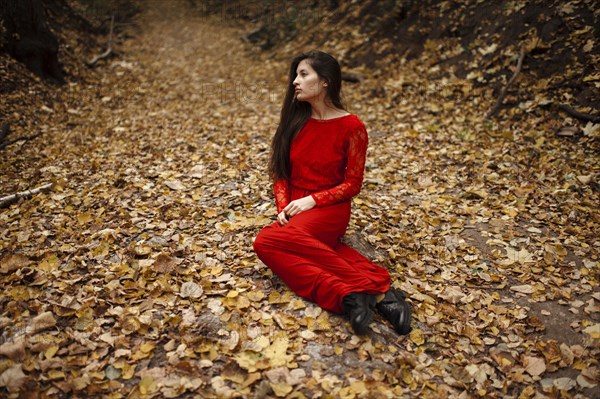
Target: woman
<point x="317" y="164"/>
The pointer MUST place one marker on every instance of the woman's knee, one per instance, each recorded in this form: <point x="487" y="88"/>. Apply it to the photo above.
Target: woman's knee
<point x="258" y="243"/>
<point x="263" y="240"/>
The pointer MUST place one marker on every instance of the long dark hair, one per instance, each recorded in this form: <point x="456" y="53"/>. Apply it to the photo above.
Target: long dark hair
<point x="294" y="114"/>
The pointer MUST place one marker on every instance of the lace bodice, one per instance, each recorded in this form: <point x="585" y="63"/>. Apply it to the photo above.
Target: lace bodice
<point x="327" y="160"/>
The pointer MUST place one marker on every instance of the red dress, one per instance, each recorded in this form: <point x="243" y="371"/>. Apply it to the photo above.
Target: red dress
<point x="327" y="161"/>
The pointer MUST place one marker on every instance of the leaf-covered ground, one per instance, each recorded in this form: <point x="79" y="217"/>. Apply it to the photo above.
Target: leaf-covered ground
<point x="135" y="276"/>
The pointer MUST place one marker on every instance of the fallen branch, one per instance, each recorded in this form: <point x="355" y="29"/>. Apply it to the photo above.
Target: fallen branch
<point x="579" y="115"/>
<point x="109" y="49"/>
<point x="26" y="138"/>
<point x="505" y="88"/>
<point x="9" y="199"/>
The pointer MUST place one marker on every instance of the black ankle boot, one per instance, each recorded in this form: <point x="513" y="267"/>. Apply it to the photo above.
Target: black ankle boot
<point x="358" y="307"/>
<point x="396" y="310"/>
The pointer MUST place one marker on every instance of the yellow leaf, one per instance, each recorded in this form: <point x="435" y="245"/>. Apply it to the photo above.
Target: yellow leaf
<point x="593" y="331"/>
<point x="276" y="353"/>
<point x="137" y="355"/>
<point x="130" y="325"/>
<point x="147" y="347"/>
<point x="147" y="385"/>
<point x="256" y="296"/>
<point x="51" y="351"/>
<point x="242" y="302"/>
<point x="84" y="218"/>
<point x="247" y="360"/>
<point x="262" y="342"/>
<point x="128" y="371"/>
<point x="252" y="378"/>
<point x="298" y="304"/>
<point x="210" y="213"/>
<point x="281" y="389"/>
<point x="85" y="321"/>
<point x="56" y="374"/>
<point x="143" y="250"/>
<point x="49" y="264"/>
<point x="274" y="297"/>
<point x="80" y="383"/>
<point x="358" y="387"/>
<point x="346" y="393"/>
<point x="417" y="337"/>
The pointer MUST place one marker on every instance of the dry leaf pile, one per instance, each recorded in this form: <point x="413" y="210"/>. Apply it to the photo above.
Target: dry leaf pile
<point x="135" y="276"/>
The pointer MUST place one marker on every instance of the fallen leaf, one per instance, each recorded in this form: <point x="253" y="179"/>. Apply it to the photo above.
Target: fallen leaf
<point x="147" y="385"/>
<point x="41" y="322"/>
<point x="593" y="331"/>
<point x="417" y="336"/>
<point x="535" y="366"/>
<point x="281" y="389"/>
<point x="12" y="378"/>
<point x="165" y="263"/>
<point x="307" y="335"/>
<point x="452" y="294"/>
<point x="175" y="185"/>
<point x="112" y="373"/>
<point x="523" y="289"/>
<point x="190" y="289"/>
<point x="13" y="349"/>
<point x="521" y="256"/>
<point x="12" y="262"/>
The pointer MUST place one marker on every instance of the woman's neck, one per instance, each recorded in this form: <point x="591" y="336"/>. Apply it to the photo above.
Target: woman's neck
<point x="323" y="111"/>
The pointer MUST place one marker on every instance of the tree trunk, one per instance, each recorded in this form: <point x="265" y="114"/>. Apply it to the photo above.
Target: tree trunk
<point x="28" y="39"/>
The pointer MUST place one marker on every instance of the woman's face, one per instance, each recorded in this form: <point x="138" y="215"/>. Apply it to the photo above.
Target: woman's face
<point x="308" y="85"/>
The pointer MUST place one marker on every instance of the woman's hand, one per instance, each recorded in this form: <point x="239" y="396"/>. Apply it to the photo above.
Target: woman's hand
<point x="300" y="205"/>
<point x="295" y="207"/>
<point x="282" y="218"/>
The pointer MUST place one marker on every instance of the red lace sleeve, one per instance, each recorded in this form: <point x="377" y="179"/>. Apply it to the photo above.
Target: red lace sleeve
<point x="281" y="188"/>
<point x="356" y="154"/>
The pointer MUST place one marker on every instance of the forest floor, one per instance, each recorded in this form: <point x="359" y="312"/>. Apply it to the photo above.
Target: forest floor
<point x="135" y="276"/>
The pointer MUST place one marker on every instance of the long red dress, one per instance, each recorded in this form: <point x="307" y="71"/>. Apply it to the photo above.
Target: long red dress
<point x="327" y="162"/>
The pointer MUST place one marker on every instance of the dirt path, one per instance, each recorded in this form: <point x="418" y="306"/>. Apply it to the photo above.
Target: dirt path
<point x="143" y="253"/>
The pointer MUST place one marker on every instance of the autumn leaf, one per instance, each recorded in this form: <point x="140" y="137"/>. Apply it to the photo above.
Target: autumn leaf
<point x="11" y="262"/>
<point x="41" y="322"/>
<point x="12" y="378"/>
<point x="534" y="365"/>
<point x="593" y="331"/>
<point x="190" y="289"/>
<point x="516" y="256"/>
<point x="164" y="263"/>
<point x="175" y="185"/>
